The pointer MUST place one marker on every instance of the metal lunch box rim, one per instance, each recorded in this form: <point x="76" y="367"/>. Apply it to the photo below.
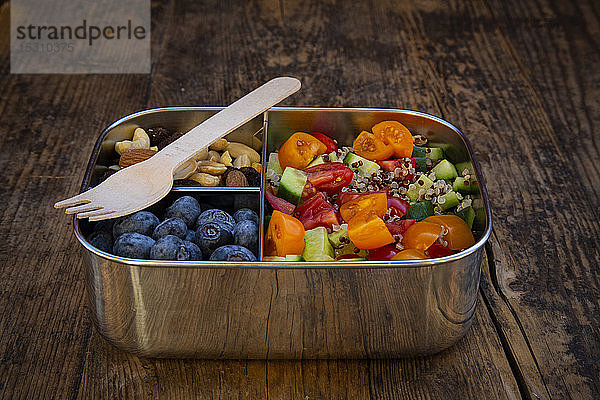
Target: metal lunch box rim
<point x="273" y="264"/>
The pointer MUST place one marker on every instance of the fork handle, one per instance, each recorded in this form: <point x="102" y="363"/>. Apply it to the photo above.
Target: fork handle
<point x="228" y="119"/>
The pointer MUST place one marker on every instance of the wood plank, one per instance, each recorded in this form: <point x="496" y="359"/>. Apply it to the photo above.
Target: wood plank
<point x="474" y="368"/>
<point x="49" y="125"/>
<point x="515" y="80"/>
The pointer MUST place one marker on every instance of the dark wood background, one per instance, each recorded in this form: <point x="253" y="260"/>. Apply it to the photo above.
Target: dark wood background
<point x="520" y="78"/>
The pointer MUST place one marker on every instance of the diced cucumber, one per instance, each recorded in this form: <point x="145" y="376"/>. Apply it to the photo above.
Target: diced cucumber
<point x="289" y="257"/>
<point x="342" y="245"/>
<point x="331" y="157"/>
<point x="451" y="152"/>
<point x="460" y="167"/>
<point x="433" y="153"/>
<point x="360" y="164"/>
<point x="445" y="170"/>
<point x="450" y="200"/>
<point x="273" y="258"/>
<point x="273" y="163"/>
<point x="465" y="186"/>
<point x="317" y="247"/>
<point x="423" y="182"/>
<point x="291" y="185"/>
<point x="468" y="215"/>
<point x="419" y="211"/>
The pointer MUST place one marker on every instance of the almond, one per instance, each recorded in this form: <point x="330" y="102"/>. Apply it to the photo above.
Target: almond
<point x="135" y="156"/>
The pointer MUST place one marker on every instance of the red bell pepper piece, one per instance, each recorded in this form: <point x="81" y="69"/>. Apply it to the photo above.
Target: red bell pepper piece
<point x="399" y="227"/>
<point x="326" y="140"/>
<point x="277" y="203"/>
<point x="317" y="211"/>
<point x="329" y="177"/>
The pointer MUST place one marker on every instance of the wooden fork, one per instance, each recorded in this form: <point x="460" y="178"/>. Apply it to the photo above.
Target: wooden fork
<point x="143" y="184"/>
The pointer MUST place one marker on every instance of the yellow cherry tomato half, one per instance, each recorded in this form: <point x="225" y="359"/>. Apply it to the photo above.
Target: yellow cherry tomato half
<point x="375" y="202"/>
<point x="396" y="135"/>
<point x="300" y="150"/>
<point x="410" y="254"/>
<point x="459" y="235"/>
<point x="367" y="231"/>
<point x="421" y="235"/>
<point x="368" y="146"/>
<point x="285" y="235"/>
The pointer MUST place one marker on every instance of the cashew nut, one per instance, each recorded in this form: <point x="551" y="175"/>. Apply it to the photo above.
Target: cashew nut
<point x="185" y="170"/>
<point x="205" y="179"/>
<point x="242" y="161"/>
<point x="237" y="149"/>
<point x="257" y="167"/>
<point x="214" y="156"/>
<point x="226" y="159"/>
<point x="219" y="145"/>
<point x="211" y="167"/>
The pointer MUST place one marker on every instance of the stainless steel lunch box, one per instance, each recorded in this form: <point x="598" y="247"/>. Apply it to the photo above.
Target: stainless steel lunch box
<point x="269" y="310"/>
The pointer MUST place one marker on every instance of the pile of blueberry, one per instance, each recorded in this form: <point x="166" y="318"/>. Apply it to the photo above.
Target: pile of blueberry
<point x="186" y="233"/>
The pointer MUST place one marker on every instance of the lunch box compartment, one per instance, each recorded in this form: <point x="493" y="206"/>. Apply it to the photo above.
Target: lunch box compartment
<point x="269" y="310"/>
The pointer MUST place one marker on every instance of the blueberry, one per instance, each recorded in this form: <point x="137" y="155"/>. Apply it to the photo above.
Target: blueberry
<point x="213" y="234"/>
<point x="172" y="226"/>
<point x="193" y="252"/>
<point x="215" y="214"/>
<point x="105" y="225"/>
<point x="245" y="234"/>
<point x="142" y="222"/>
<point x="133" y="245"/>
<point x="186" y="207"/>
<point x="244" y="214"/>
<point x="232" y="253"/>
<point x="101" y="240"/>
<point x="190" y="235"/>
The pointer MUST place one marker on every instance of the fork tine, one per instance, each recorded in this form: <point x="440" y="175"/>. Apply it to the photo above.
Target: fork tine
<point x="96" y="215"/>
<point x="82" y="208"/>
<point x="72" y="201"/>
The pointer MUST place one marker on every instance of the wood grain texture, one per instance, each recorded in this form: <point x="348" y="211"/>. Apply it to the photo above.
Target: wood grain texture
<point x="520" y="79"/>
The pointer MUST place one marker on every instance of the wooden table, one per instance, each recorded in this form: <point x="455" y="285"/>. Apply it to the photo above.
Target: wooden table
<point x="521" y="79"/>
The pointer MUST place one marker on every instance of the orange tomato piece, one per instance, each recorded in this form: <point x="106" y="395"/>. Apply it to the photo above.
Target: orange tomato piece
<point x="368" y="231"/>
<point x="459" y="235"/>
<point x="368" y="146"/>
<point x="421" y="235"/>
<point x="285" y="235"/>
<point x="410" y="254"/>
<point x="300" y="150"/>
<point x="396" y="135"/>
<point x="375" y="202"/>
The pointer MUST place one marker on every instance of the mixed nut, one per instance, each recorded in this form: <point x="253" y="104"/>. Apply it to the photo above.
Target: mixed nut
<point x="224" y="163"/>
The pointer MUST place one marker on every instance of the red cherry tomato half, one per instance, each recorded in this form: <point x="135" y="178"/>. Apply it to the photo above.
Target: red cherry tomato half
<point x="436" y="250"/>
<point x="317" y="211"/>
<point x="329" y="177"/>
<point x="326" y="140"/>
<point x="383" y="253"/>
